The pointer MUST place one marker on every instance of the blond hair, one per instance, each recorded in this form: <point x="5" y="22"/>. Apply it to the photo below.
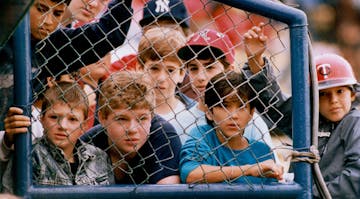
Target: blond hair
<point x="160" y="43"/>
<point x="126" y="90"/>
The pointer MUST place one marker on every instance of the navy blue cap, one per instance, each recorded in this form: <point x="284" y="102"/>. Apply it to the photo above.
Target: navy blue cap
<point x="165" y="9"/>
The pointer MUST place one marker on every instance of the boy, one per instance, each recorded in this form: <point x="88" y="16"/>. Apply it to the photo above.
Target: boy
<point x="59" y="157"/>
<point x="207" y="53"/>
<point x="142" y="146"/>
<point x="45" y="16"/>
<point x="339" y="133"/>
<point x="218" y="152"/>
<point x="67" y="50"/>
<point x="158" y="59"/>
<point x="168" y="14"/>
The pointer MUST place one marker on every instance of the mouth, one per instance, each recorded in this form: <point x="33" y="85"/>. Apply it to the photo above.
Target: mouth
<point x="61" y="136"/>
<point x="335" y="110"/>
<point x="132" y="141"/>
<point x="201" y="88"/>
<point x="233" y="126"/>
<point x="87" y="13"/>
<point x="43" y="31"/>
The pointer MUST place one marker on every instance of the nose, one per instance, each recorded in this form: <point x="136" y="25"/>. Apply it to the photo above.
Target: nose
<point x="333" y="98"/>
<point x="63" y="123"/>
<point x="93" y="3"/>
<point x="235" y="113"/>
<point x="133" y="127"/>
<point x="48" y="19"/>
<point x="201" y="76"/>
<point x="161" y="76"/>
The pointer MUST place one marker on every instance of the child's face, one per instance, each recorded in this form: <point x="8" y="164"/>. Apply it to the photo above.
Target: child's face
<point x="164" y="75"/>
<point x="127" y="129"/>
<point x="200" y="73"/>
<point x="45" y="16"/>
<point x="87" y="10"/>
<point x="62" y="125"/>
<point x="335" y="102"/>
<point x="231" y="117"/>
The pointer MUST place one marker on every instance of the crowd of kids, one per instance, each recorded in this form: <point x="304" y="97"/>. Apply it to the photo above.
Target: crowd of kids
<point x="184" y="115"/>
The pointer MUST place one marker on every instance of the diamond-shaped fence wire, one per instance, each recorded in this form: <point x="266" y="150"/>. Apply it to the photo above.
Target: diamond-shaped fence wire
<point x="169" y="92"/>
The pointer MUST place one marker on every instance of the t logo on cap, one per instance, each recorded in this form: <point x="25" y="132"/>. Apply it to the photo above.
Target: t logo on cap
<point x="324" y="70"/>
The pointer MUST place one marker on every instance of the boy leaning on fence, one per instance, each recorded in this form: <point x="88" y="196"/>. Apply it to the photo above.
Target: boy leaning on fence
<point x="143" y="147"/>
<point x="339" y="124"/>
<point x="207" y="53"/>
<point x="59" y="157"/>
<point x="218" y="151"/>
<point x="157" y="59"/>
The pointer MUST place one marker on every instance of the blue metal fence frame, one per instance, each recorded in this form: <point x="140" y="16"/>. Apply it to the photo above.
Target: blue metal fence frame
<point x="297" y="22"/>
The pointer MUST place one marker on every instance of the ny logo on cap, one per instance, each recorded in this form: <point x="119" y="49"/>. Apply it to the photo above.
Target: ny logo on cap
<point x="324" y="70"/>
<point x="162" y="6"/>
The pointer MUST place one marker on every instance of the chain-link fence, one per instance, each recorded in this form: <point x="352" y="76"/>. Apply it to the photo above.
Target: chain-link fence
<point x="192" y="94"/>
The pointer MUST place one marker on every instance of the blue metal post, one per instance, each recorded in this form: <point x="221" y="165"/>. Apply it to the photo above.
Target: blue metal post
<point x="22" y="95"/>
<point x="297" y="22"/>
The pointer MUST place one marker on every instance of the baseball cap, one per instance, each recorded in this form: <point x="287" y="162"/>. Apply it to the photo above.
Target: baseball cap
<point x="165" y="9"/>
<point x="207" y="40"/>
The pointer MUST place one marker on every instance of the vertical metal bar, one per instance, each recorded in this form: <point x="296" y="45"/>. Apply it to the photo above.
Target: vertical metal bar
<point x="22" y="95"/>
<point x="301" y="104"/>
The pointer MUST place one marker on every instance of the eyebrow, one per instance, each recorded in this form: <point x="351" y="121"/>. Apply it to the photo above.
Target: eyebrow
<point x="43" y="5"/>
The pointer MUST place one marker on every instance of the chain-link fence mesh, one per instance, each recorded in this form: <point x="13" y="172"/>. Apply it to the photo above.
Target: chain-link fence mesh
<point x="65" y="52"/>
<point x="164" y="123"/>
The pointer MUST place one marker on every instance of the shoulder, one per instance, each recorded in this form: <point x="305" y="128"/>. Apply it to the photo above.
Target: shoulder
<point x="91" y="150"/>
<point x="350" y="123"/>
<point x="202" y="131"/>
<point x="162" y="132"/>
<point x="96" y="136"/>
<point x="354" y="112"/>
<point x="187" y="101"/>
<point x="159" y="124"/>
<point x="352" y="118"/>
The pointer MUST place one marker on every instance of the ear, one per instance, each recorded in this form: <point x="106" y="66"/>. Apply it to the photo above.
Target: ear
<point x="139" y="67"/>
<point x="209" y="113"/>
<point x="353" y="96"/>
<point x="182" y="75"/>
<point x="252" y="111"/>
<point x="101" y="118"/>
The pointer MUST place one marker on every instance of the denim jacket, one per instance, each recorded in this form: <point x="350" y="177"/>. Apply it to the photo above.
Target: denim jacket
<point x="50" y="167"/>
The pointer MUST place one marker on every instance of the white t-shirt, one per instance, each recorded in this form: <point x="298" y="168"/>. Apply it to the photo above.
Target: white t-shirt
<point x="181" y="119"/>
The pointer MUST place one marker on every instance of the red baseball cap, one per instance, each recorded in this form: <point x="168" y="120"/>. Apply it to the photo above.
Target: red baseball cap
<point x="125" y="63"/>
<point x="207" y="40"/>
